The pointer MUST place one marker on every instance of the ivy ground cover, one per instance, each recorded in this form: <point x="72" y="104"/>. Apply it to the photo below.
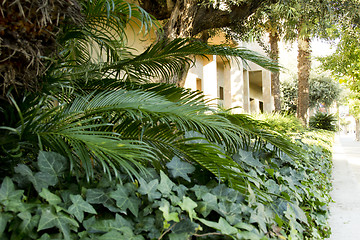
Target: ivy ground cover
<point x="45" y="201"/>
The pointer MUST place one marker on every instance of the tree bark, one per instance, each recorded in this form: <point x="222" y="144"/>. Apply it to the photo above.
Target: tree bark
<point x="304" y="67"/>
<point x="187" y="18"/>
<point x="275" y="76"/>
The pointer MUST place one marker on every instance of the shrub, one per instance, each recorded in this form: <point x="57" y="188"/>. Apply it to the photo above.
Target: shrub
<point x="323" y="121"/>
<point x="281" y="123"/>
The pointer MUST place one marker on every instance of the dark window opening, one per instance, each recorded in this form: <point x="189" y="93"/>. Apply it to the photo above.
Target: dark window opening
<point x="221" y="93"/>
<point x="261" y="106"/>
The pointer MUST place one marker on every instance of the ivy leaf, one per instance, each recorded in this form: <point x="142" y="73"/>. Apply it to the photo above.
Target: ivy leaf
<point x="52" y="163"/>
<point x="178" y="236"/>
<point x="209" y="204"/>
<point x="223" y="226"/>
<point x="221" y="191"/>
<point x="94" y="225"/>
<point x="247" y="157"/>
<point x="39" y="180"/>
<point x="8" y="192"/>
<point x="166" y="185"/>
<point x="123" y="201"/>
<point x="79" y="206"/>
<point x="50" y="197"/>
<point x="149" y="189"/>
<point x="185" y="226"/>
<point x="299" y="213"/>
<point x="112" y="235"/>
<point x="188" y="205"/>
<point x="48" y="220"/>
<point x="96" y="196"/>
<point x="127" y="234"/>
<point x="45" y="236"/>
<point x="200" y="191"/>
<point x="180" y="168"/>
<point x="11" y="198"/>
<point x="27" y="225"/>
<point x="181" y="190"/>
<point x="258" y="216"/>
<point x="165" y="208"/>
<point x="4" y="218"/>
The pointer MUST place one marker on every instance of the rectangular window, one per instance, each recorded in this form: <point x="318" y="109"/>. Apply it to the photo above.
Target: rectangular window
<point x="221" y="93"/>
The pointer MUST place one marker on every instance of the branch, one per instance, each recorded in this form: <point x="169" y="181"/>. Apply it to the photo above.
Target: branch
<point x="210" y="18"/>
<point x="167" y="230"/>
<point x="206" y="17"/>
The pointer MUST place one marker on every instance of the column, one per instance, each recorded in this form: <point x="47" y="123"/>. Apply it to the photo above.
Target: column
<point x="210" y="79"/>
<point x="266" y="91"/>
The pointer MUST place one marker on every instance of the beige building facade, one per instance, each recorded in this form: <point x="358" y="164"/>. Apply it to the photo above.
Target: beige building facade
<point x="243" y="87"/>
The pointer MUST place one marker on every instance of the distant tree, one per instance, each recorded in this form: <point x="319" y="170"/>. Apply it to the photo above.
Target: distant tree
<point x="345" y="66"/>
<point x="322" y="90"/>
<point x="267" y="20"/>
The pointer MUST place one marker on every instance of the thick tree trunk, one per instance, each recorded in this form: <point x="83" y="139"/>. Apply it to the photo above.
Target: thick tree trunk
<point x="275" y="76"/>
<point x="187" y="18"/>
<point x="181" y="21"/>
<point x="304" y="67"/>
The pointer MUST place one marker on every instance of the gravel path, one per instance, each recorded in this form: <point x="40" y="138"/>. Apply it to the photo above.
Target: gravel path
<point x="345" y="211"/>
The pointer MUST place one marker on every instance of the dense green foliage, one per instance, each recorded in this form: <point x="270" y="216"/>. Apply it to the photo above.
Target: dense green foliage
<point x="99" y="153"/>
<point x="282" y="123"/>
<point x="324" y="91"/>
<point x="324" y="121"/>
<point x="45" y="201"/>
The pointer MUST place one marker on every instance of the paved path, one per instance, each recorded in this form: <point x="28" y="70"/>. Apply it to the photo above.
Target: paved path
<point x="345" y="212"/>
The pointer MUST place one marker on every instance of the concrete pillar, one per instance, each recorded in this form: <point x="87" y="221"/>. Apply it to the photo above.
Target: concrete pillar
<point x="195" y="72"/>
<point x="227" y="86"/>
<point x="237" y="87"/>
<point x="266" y="91"/>
<point x="246" y="92"/>
<point x="210" y="79"/>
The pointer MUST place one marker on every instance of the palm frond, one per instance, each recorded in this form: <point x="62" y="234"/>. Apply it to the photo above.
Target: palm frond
<point x="164" y="59"/>
<point x="101" y="36"/>
<point x="254" y="130"/>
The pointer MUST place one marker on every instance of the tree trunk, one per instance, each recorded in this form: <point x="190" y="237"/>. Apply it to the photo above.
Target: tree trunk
<point x="357" y="129"/>
<point x="181" y="21"/>
<point x="304" y="67"/>
<point x="275" y="76"/>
